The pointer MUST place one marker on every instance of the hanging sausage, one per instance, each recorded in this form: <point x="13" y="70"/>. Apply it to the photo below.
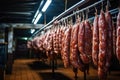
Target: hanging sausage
<point x="114" y="38"/>
<point x="88" y="40"/>
<point x="41" y="41"/>
<point x="95" y="41"/>
<point x="118" y="44"/>
<point x="118" y="37"/>
<point x="109" y="37"/>
<point x="60" y="39"/>
<point x="63" y="28"/>
<point x="81" y="38"/>
<point x="102" y="73"/>
<point x="73" y="47"/>
<point x="29" y="44"/>
<point x="66" y="47"/>
<point x="35" y="43"/>
<point x="74" y="54"/>
<point x="45" y="41"/>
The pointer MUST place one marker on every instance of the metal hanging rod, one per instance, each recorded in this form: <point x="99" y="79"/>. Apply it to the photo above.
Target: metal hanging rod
<point x="74" y="7"/>
<point x="113" y="11"/>
<point x="62" y="15"/>
<point x="79" y="11"/>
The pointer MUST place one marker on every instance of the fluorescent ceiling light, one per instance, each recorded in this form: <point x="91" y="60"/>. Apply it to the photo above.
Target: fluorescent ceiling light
<point x="41" y="3"/>
<point x="33" y="20"/>
<point x="46" y="5"/>
<point x="37" y="12"/>
<point x="37" y="18"/>
<point x="25" y="38"/>
<point x="32" y="31"/>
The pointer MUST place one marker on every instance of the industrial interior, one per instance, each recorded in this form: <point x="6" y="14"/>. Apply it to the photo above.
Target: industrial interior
<point x="60" y="40"/>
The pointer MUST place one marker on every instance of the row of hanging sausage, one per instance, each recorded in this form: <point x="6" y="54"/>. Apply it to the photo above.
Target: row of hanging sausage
<point x="83" y="43"/>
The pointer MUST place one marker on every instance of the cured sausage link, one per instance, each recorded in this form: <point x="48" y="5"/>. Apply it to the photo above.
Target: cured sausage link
<point x="109" y="38"/>
<point x="102" y="73"/>
<point x="95" y="41"/>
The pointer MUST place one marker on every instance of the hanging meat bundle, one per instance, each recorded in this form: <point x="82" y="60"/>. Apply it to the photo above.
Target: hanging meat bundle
<point x="88" y="40"/>
<point x="40" y="44"/>
<point x="109" y="38"/>
<point x="66" y="47"/>
<point x="45" y="41"/>
<point x="56" y="41"/>
<point x="118" y="44"/>
<point x="102" y="46"/>
<point x="114" y="38"/>
<point x="37" y="41"/>
<point x="85" y="41"/>
<point x="73" y="47"/>
<point x="81" y="43"/>
<point x="49" y="41"/>
<point x="29" y="44"/>
<point x="74" y="53"/>
<point x="34" y="43"/>
<point x="60" y="39"/>
<point x="118" y="37"/>
<point x="63" y="41"/>
<point x="95" y="41"/>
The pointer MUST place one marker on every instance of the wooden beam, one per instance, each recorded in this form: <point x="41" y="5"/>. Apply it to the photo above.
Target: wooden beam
<point x="23" y="26"/>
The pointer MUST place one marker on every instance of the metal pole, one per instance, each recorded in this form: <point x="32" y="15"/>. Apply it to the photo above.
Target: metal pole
<point x="65" y="4"/>
<point x="44" y="18"/>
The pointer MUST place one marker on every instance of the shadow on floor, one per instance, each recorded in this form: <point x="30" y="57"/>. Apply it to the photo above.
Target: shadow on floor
<point x="49" y="76"/>
<point x="38" y="65"/>
<point x="115" y="74"/>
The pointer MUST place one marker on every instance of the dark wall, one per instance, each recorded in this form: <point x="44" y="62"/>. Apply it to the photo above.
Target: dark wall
<point x="21" y="50"/>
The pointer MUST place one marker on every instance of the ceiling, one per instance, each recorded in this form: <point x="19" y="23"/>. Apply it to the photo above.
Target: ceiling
<point x="18" y="11"/>
<point x="23" y="11"/>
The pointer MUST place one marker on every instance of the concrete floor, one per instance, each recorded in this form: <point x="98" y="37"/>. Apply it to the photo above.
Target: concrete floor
<point x="31" y="69"/>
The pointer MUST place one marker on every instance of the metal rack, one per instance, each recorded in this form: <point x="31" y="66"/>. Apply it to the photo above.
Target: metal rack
<point x="74" y="7"/>
<point x="62" y="15"/>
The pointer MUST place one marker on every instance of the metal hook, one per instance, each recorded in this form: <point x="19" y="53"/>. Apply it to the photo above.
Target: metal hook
<point x="71" y="20"/>
<point x="108" y="3"/>
<point x="83" y="15"/>
<point x="96" y="11"/>
<point x="87" y="11"/>
<point x="80" y="15"/>
<point x="78" y="18"/>
<point x="68" y="20"/>
<point x="102" y="5"/>
<point x="64" y="22"/>
<point x="75" y="14"/>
